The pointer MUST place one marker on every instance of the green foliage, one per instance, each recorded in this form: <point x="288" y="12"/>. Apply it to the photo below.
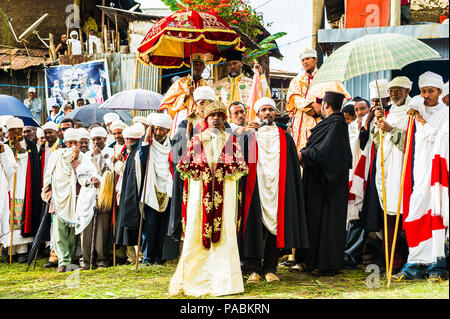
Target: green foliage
<point x="265" y="46"/>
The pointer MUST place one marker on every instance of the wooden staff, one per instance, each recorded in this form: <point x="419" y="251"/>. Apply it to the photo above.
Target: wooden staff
<point x="116" y="44"/>
<point x="13" y="208"/>
<point x="113" y="42"/>
<point x="105" y="36"/>
<point x="81" y="40"/>
<point x="399" y="203"/>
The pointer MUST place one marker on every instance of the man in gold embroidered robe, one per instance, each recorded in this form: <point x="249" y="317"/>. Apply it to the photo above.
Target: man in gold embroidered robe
<point x="301" y="112"/>
<point x="179" y="99"/>
<point x="236" y="87"/>
<point x="213" y="164"/>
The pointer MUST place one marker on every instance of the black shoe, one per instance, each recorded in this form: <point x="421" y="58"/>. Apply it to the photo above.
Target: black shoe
<point x="22" y="258"/>
<point x="50" y="265"/>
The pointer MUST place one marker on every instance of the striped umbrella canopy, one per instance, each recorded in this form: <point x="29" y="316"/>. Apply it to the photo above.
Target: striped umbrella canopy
<point x="373" y="53"/>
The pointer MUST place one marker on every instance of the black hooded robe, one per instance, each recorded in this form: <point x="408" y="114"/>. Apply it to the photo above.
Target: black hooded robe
<point x="291" y="228"/>
<point x="327" y="158"/>
<point x="128" y="216"/>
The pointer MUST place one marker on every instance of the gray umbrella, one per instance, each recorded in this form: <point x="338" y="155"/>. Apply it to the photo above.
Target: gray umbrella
<point x="137" y="99"/>
<point x="91" y="113"/>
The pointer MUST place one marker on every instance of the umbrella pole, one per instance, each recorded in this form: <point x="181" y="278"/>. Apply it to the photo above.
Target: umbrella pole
<point x="383" y="186"/>
<point x="399" y="204"/>
<point x="136" y="68"/>
<point x="13" y="206"/>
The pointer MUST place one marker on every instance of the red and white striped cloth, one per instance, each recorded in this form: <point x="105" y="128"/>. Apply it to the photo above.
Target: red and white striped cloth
<point x="426" y="203"/>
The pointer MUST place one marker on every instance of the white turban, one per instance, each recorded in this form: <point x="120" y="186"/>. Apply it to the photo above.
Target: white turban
<point x="84" y="133"/>
<point x="71" y="134"/>
<point x="264" y="101"/>
<point x="382" y="85"/>
<point x="50" y="126"/>
<point x="204" y="93"/>
<point x="74" y="33"/>
<point x="139" y="119"/>
<point x="110" y="117"/>
<point x="161" y="120"/>
<point x="134" y="132"/>
<point x="445" y="90"/>
<point x="39" y="133"/>
<point x="117" y="125"/>
<point x="14" y="122"/>
<point x="98" y="132"/>
<point x="400" y="81"/>
<point x="149" y="118"/>
<point x="431" y="79"/>
<point x="308" y="53"/>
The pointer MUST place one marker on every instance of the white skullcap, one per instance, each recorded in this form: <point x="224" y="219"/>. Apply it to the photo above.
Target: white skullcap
<point x="382" y="85"/>
<point x="162" y="120"/>
<point x="50" y="126"/>
<point x="32" y="90"/>
<point x="14" y="122"/>
<point x="431" y="79"/>
<point x="445" y="89"/>
<point x="308" y="53"/>
<point x="117" y="125"/>
<point x="134" y="132"/>
<point x="39" y="132"/>
<point x="139" y="119"/>
<point x="400" y="81"/>
<point x="110" y="117"/>
<point x="84" y="133"/>
<point x="264" y="101"/>
<point x="72" y="134"/>
<point x="98" y="132"/>
<point x="204" y="93"/>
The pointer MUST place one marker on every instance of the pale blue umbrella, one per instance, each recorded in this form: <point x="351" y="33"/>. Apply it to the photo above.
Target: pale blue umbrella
<point x="137" y="99"/>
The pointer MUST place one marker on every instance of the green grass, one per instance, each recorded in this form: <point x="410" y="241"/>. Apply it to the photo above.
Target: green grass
<point x="152" y="283"/>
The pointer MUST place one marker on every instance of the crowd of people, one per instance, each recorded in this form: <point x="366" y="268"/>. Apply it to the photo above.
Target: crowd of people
<point x="228" y="195"/>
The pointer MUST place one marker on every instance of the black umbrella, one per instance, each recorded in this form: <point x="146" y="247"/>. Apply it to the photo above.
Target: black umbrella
<point x="39" y="237"/>
<point x="90" y="114"/>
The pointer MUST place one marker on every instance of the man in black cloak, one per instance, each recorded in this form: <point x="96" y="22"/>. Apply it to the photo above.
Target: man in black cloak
<point x="326" y="160"/>
<point x="128" y="217"/>
<point x="273" y="216"/>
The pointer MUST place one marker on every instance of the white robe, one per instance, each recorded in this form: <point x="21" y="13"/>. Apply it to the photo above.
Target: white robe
<point x="157" y="174"/>
<point x="90" y="167"/>
<point x="8" y="167"/>
<point x="393" y="159"/>
<point x="21" y="177"/>
<point x="430" y="139"/>
<point x="63" y="180"/>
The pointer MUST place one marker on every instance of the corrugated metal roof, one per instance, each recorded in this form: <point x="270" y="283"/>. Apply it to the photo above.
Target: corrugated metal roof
<point x="18" y="59"/>
<point x="419" y="31"/>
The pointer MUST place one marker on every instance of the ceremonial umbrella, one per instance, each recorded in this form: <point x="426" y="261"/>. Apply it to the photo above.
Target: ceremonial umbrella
<point x="91" y="113"/>
<point x="172" y="40"/>
<point x="136" y="99"/>
<point x="372" y="53"/>
<point x="9" y="105"/>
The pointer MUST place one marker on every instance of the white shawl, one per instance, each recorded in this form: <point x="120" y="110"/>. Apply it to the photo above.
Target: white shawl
<point x="157" y="174"/>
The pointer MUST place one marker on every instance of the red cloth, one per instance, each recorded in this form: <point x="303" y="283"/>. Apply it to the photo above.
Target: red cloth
<point x="404" y="2"/>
